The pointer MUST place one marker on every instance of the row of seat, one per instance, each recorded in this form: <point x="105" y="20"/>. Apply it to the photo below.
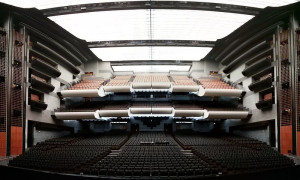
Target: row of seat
<point x="119" y="81"/>
<point x="211" y="83"/>
<point x="135" y="160"/>
<point x="183" y="81"/>
<point x="151" y="78"/>
<point x="87" y="84"/>
<point x="214" y="84"/>
<point x="233" y="153"/>
<point x="71" y="153"/>
<point x="152" y="154"/>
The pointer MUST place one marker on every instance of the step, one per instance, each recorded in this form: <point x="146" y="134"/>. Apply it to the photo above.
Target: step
<point x="188" y="154"/>
<point x="185" y="151"/>
<point x="112" y="155"/>
<point x="115" y="151"/>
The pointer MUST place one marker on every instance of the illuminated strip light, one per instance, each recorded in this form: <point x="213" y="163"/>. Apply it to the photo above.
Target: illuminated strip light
<point x="183" y="122"/>
<point x="151" y="115"/>
<point x="76" y="115"/>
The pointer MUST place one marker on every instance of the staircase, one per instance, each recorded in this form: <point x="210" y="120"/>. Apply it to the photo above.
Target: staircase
<point x="187" y="152"/>
<point x="114" y="153"/>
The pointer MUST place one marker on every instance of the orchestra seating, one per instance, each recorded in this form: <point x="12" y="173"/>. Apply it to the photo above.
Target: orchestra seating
<point x="233" y="154"/>
<point x="87" y="84"/>
<point x="155" y="137"/>
<point x="151" y="154"/>
<point x="69" y="154"/>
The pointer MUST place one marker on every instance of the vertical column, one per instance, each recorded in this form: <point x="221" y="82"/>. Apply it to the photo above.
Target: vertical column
<point x="296" y="52"/>
<point x="294" y="80"/>
<point x="277" y="77"/>
<point x="3" y="90"/>
<point x="9" y="82"/>
<point x="25" y="89"/>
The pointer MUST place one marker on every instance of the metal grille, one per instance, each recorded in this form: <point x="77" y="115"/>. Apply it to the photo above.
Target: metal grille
<point x="285" y="94"/>
<point x="3" y="80"/>
<point x="298" y="79"/>
<point x="17" y="78"/>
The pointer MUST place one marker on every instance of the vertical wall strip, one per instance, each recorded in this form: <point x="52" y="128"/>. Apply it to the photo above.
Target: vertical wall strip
<point x="3" y="90"/>
<point x="25" y="89"/>
<point x="277" y="76"/>
<point x="297" y="82"/>
<point x="293" y="55"/>
<point x="9" y="82"/>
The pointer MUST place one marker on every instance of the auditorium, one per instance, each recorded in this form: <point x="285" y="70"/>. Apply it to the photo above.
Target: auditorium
<point x="155" y="89"/>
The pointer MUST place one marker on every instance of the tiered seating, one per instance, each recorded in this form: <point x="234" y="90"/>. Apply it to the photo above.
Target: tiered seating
<point x="151" y="78"/>
<point x="69" y="154"/>
<point x="210" y="86"/>
<point x="151" y="82"/>
<point x="183" y="81"/>
<point x="160" y="78"/>
<point x="119" y="81"/>
<point x="158" y="159"/>
<point x="214" y="84"/>
<point x="87" y="84"/>
<point x="234" y="154"/>
<point x="142" y="78"/>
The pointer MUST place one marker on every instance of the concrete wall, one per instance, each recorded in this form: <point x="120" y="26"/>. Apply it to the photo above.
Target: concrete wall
<point x="100" y="127"/>
<point x="202" y="68"/>
<point x="65" y="74"/>
<point x="119" y="126"/>
<point x="259" y="134"/>
<point x="203" y="126"/>
<point x="249" y="101"/>
<point x="180" y="126"/>
<point x="99" y="68"/>
<point x="45" y="117"/>
<point x="197" y="69"/>
<point x="104" y="70"/>
<point x="53" y="102"/>
<point x="91" y="66"/>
